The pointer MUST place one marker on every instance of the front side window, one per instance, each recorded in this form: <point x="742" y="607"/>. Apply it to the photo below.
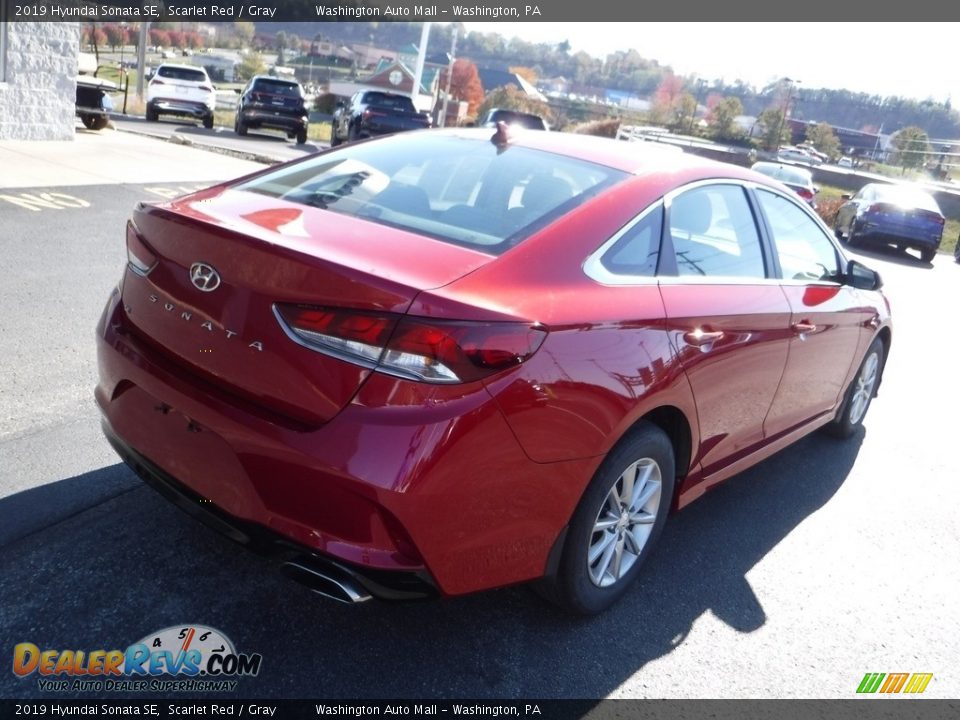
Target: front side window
<point x="805" y="252"/>
<point x="714" y="233"/>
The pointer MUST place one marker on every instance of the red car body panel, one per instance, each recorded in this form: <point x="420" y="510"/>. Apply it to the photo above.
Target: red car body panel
<point x="472" y="483"/>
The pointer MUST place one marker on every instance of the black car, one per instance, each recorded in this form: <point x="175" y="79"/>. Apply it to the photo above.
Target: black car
<point x="374" y="112"/>
<point x="275" y="104"/>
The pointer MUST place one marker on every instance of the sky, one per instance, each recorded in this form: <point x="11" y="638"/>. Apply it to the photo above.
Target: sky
<point x="920" y="60"/>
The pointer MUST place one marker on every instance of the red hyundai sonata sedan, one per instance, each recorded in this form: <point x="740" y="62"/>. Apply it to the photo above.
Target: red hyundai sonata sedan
<point x="446" y="361"/>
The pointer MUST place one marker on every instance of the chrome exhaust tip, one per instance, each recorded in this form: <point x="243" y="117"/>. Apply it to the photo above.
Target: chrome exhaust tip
<point x="329" y="583"/>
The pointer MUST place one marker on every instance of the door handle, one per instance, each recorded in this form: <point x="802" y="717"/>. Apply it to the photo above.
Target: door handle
<point x="700" y="338"/>
<point x="803" y="327"/>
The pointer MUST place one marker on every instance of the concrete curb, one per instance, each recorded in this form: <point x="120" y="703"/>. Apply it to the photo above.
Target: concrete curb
<point x="178" y="139"/>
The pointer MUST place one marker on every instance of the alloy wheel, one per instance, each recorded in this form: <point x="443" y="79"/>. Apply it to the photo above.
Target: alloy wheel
<point x="625" y="522"/>
<point x="863" y="391"/>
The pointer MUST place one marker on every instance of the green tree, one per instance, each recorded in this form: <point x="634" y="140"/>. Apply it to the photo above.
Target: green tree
<point x="722" y="119"/>
<point x="252" y="64"/>
<point x="685" y="112"/>
<point x="774" y="132"/>
<point x="910" y="143"/>
<point x="822" y="138"/>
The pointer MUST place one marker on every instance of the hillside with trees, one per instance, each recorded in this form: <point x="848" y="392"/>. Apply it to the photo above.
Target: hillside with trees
<point x="630" y="72"/>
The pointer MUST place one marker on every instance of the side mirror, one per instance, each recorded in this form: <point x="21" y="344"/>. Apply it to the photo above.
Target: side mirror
<point x="846" y="196"/>
<point x="815" y="189"/>
<point x="861" y="277"/>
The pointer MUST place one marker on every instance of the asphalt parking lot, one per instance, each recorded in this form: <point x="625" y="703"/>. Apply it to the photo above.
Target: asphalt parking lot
<point x="827" y="561"/>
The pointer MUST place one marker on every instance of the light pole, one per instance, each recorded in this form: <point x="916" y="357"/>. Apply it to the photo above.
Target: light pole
<point x="786" y="108"/>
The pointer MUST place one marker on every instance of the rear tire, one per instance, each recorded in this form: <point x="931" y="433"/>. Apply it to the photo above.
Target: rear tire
<point x="334" y="140"/>
<point x="94" y="122"/>
<point x="152" y="115"/>
<point x="616" y="525"/>
<point x="240" y="127"/>
<point x="208" y="122"/>
<point x="852" y="239"/>
<point x="862" y="389"/>
<point x="352" y="134"/>
<point x="928" y="254"/>
<point x="301" y="136"/>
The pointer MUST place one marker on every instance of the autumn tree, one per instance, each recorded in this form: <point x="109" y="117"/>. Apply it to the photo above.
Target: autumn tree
<point x="158" y="37"/>
<point x="176" y="38"/>
<point x="465" y="84"/>
<point x="822" y="137"/>
<point x="116" y="35"/>
<point x="910" y="144"/>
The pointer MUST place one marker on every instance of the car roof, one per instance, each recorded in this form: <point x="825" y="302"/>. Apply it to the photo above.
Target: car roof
<point x="273" y="78"/>
<point x="180" y="66"/>
<point x="637" y="158"/>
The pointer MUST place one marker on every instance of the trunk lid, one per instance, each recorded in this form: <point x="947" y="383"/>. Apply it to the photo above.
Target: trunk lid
<point x="266" y="251"/>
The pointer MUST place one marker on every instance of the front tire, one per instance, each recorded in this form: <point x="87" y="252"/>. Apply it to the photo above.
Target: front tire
<point x="616" y="524"/>
<point x="859" y="394"/>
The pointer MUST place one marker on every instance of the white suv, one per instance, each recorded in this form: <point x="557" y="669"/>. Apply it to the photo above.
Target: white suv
<point x="182" y="90"/>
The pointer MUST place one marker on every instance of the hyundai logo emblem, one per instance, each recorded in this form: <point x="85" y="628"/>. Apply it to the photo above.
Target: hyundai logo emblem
<point x="204" y="277"/>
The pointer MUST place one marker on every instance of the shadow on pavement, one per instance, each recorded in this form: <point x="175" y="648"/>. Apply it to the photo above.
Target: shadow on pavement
<point x="135" y="564"/>
<point x="890" y="254"/>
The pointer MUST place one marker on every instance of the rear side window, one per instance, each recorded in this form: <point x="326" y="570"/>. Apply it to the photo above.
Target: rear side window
<point x="714" y="233"/>
<point x="635" y="252"/>
<point x="460" y="190"/>
<point x="805" y="252"/>
<point x="176" y="73"/>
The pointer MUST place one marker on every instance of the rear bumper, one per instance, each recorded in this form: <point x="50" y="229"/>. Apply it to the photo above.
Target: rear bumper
<point x="437" y="493"/>
<point x="384" y="585"/>
<point x="183" y="108"/>
<point x="886" y="233"/>
<point x="273" y="120"/>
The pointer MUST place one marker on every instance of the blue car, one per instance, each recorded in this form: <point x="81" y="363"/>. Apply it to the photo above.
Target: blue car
<point x="884" y="214"/>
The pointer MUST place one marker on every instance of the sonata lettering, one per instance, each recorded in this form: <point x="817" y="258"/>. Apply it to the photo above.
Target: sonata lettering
<point x="187" y="316"/>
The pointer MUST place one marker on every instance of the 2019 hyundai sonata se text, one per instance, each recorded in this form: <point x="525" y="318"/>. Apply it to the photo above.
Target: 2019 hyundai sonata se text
<point x="441" y="362"/>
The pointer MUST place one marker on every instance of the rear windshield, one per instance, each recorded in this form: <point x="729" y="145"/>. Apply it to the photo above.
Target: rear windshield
<point x="398" y="102"/>
<point x="177" y="73"/>
<point x="459" y="190"/>
<point x="906" y="196"/>
<point x="278" y="87"/>
<point x="794" y="176"/>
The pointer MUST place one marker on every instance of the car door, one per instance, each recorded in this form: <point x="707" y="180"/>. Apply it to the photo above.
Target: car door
<point x="727" y="316"/>
<point x="826" y="314"/>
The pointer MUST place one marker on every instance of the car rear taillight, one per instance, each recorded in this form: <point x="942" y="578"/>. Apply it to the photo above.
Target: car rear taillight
<point x="881" y="208"/>
<point x="421" y="349"/>
<point x="371" y="113"/>
<point x="206" y="88"/>
<point x="805" y="193"/>
<point x="155" y="81"/>
<point x="140" y="257"/>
